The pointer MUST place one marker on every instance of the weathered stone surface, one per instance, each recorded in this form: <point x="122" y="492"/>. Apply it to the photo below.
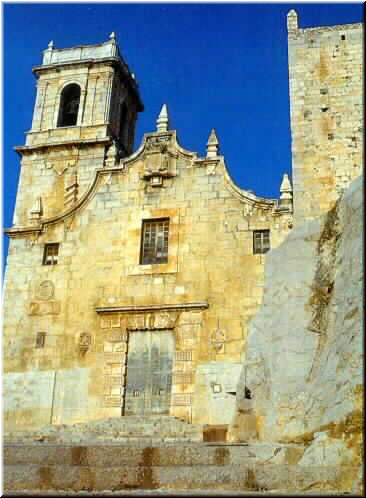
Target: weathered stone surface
<point x="299" y="398"/>
<point x="95" y="197"/>
<point x="194" y="467"/>
<point x="326" y="88"/>
<point x="303" y="363"/>
<point x="133" y="428"/>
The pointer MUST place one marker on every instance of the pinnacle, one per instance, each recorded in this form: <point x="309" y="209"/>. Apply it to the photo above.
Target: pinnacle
<point x="164" y="111"/>
<point x="286" y="184"/>
<point x="212" y="139"/>
<point x="212" y="144"/>
<point x="292" y="20"/>
<point x="162" y="123"/>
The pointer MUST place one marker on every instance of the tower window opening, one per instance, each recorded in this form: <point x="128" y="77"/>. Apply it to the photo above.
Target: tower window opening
<point x="69" y="106"/>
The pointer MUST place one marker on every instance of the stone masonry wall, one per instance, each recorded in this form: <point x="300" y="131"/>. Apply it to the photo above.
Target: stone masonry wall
<point x="210" y="261"/>
<point x="326" y="88"/>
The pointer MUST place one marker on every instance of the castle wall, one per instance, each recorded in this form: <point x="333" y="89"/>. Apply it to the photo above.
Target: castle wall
<point x="325" y="70"/>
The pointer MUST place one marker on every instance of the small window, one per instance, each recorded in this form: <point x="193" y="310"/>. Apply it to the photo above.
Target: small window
<point x="154" y="244"/>
<point x="50" y="254"/>
<point x="69" y="106"/>
<point x="40" y="339"/>
<point x="261" y="241"/>
<point x="343" y="37"/>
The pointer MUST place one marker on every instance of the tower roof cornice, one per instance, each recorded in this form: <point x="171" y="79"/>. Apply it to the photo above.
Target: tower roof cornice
<point x="102" y="53"/>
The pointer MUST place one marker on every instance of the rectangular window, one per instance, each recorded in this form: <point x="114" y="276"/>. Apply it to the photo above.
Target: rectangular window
<point x="50" y="254"/>
<point x="154" y="243"/>
<point x="40" y="339"/>
<point x="261" y="242"/>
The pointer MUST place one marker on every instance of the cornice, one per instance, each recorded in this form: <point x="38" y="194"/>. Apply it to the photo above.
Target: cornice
<point x="151" y="307"/>
<point x="20" y="149"/>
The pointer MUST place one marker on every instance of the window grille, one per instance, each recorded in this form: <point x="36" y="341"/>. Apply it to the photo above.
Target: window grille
<point x="261" y="243"/>
<point x="154" y="246"/>
<point x="183" y="355"/>
<point x="40" y="339"/>
<point x="50" y="254"/>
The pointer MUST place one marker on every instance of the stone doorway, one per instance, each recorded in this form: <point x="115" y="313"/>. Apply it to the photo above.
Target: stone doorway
<point x="149" y="372"/>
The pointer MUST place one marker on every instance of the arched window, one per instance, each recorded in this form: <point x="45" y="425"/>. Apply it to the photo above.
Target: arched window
<point x="69" y="105"/>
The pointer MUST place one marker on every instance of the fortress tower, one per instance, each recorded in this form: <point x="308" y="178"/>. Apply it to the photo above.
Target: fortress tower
<point x="326" y="88"/>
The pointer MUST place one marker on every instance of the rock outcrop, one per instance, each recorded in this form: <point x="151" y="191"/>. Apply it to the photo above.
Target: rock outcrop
<point x="302" y="375"/>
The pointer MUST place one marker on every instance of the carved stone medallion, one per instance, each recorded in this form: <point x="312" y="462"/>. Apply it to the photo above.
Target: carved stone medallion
<point x="218" y="338"/>
<point x="45" y="290"/>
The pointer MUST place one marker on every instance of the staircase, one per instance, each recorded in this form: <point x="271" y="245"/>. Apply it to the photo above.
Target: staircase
<point x="157" y="452"/>
<point x="204" y="468"/>
<point x="148" y="428"/>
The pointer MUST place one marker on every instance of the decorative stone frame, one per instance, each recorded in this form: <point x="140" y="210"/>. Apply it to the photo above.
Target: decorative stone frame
<point x="117" y="322"/>
<point x="134" y="234"/>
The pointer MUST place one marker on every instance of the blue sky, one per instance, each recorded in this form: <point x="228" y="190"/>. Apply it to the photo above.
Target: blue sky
<point x="215" y="65"/>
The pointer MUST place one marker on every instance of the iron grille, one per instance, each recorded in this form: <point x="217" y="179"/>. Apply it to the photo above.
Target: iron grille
<point x="261" y="243"/>
<point x="154" y="247"/>
<point x="50" y="254"/>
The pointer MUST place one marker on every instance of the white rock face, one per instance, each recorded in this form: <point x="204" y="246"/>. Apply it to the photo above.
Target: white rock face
<point x="303" y="362"/>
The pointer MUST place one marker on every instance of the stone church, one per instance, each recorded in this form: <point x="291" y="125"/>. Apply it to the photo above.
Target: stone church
<point x="132" y="276"/>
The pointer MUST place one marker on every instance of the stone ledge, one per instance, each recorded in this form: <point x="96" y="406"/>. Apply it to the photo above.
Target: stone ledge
<point x="151" y="307"/>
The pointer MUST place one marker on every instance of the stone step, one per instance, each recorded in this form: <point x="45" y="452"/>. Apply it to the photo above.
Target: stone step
<point x="193" y="466"/>
<point x="153" y="427"/>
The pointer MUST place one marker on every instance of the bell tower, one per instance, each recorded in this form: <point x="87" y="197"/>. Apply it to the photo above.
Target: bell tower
<point x="84" y="119"/>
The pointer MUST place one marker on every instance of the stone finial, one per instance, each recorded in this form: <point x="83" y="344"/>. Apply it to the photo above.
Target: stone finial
<point x="286" y="184"/>
<point x="162" y="123"/>
<point x="51" y="45"/>
<point x="212" y="144"/>
<point x="286" y="191"/>
<point x="112" y="36"/>
<point x="292" y="20"/>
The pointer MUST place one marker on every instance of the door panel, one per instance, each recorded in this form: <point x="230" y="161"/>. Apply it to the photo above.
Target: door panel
<point x="149" y="372"/>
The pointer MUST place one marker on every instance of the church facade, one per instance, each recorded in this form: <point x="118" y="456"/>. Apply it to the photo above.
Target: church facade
<point x="132" y="276"/>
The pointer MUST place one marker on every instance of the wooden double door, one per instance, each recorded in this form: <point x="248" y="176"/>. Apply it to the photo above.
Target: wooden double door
<point x="149" y="372"/>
